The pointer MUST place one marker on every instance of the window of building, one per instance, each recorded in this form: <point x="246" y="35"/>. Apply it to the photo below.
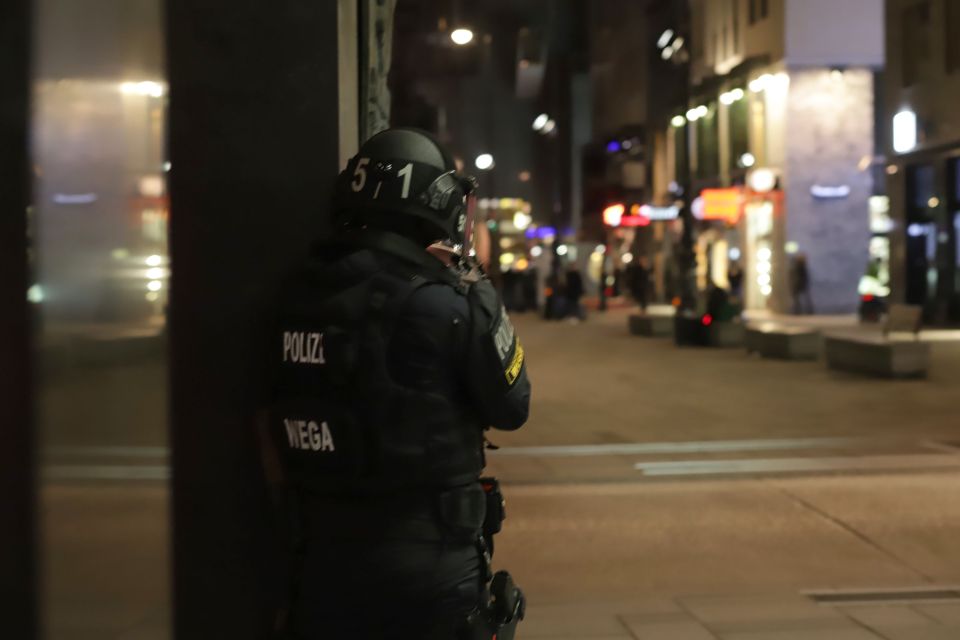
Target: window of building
<point x="916" y="43"/>
<point x="753" y="11"/>
<point x="952" y="25"/>
<point x="764" y="9"/>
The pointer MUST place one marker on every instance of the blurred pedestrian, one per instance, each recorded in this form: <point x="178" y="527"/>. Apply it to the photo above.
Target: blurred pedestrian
<point x="574" y="293"/>
<point x="390" y="363"/>
<point x="735" y="277"/>
<point x="800" y="285"/>
<point x="640" y="282"/>
<point x="721" y="306"/>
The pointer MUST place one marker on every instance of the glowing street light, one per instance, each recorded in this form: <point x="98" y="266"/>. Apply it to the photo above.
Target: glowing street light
<point x="613" y="215"/>
<point x="461" y="36"/>
<point x="521" y="220"/>
<point x="665" y="38"/>
<point x="484" y="161"/>
<point x="904" y="131"/>
<point x="540" y="121"/>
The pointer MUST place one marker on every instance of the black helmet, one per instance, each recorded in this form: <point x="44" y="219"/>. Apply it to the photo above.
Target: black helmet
<point x="404" y="180"/>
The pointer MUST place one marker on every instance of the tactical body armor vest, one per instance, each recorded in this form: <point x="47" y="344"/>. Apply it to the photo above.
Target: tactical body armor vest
<point x="343" y="423"/>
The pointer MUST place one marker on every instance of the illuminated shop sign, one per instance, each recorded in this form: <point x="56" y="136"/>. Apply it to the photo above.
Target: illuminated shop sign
<point x="616" y="216"/>
<point x="722" y="204"/>
<point x="660" y="213"/>
<point x="830" y="192"/>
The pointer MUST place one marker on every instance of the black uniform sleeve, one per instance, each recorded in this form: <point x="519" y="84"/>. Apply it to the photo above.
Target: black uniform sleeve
<point x="496" y="363"/>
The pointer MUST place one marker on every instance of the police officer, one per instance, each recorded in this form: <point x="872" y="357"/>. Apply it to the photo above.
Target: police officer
<point x="392" y="357"/>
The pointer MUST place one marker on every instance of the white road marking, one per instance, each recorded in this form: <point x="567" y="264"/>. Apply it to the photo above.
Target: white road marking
<point x="793" y="465"/>
<point x="708" y="446"/>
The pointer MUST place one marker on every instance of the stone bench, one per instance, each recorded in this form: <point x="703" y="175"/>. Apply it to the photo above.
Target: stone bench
<point x="877" y="355"/>
<point x="773" y="340"/>
<point x="651" y="325"/>
<point x="726" y="335"/>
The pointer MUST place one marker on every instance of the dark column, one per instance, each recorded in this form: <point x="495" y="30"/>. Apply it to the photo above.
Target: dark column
<point x="254" y="94"/>
<point x="18" y="610"/>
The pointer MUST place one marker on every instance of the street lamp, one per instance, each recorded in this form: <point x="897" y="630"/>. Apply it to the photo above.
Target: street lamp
<point x="484" y="161"/>
<point x="461" y="36"/>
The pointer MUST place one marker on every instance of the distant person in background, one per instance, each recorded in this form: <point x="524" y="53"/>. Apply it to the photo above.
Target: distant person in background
<point x="555" y="306"/>
<point x="735" y="277"/>
<point x="575" y="294"/>
<point x="640" y="282"/>
<point x="721" y="306"/>
<point x="800" y="285"/>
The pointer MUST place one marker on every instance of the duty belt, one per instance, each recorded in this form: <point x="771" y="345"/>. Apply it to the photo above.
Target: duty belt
<point x="443" y="515"/>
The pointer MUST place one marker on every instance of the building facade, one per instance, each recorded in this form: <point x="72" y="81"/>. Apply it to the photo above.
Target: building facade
<point x="922" y="134"/>
<point x="778" y="136"/>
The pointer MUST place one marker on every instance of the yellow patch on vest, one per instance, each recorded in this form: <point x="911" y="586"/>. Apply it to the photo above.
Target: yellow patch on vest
<point x="513" y="371"/>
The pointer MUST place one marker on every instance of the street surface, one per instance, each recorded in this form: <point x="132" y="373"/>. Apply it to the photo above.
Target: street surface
<point x="656" y="493"/>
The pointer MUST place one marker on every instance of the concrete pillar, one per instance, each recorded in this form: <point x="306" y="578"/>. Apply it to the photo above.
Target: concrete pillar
<point x="829" y="131"/>
<point x="18" y="582"/>
<point x="255" y="145"/>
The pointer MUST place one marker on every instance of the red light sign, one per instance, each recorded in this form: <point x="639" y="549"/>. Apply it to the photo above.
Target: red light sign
<point x="615" y="216"/>
<point x="635" y="221"/>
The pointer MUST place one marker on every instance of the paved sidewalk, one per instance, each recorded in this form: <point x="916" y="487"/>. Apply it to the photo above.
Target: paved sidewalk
<point x="627" y="542"/>
<point x="746" y="617"/>
<point x="739" y="559"/>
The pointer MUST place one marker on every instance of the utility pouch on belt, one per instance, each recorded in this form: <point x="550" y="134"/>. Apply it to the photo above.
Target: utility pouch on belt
<point x="463" y="510"/>
<point x="496" y="506"/>
<point x="496" y="511"/>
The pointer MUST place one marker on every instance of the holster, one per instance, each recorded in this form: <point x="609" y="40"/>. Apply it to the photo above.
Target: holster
<point x="497" y="617"/>
<point x="502" y="604"/>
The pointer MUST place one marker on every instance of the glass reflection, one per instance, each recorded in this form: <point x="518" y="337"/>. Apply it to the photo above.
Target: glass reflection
<point x="99" y="246"/>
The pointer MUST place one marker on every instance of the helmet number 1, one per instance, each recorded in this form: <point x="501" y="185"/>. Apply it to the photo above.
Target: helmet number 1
<point x="407" y="173"/>
<point x="360" y="174"/>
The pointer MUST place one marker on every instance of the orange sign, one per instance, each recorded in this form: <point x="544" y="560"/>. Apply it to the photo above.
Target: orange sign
<point x="722" y="204"/>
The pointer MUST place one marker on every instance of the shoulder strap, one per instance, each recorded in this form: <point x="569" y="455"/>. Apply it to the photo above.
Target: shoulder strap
<point x="396" y="245"/>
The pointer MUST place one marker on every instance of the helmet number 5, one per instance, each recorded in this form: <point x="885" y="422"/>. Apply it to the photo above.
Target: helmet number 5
<point x="360" y="174"/>
<point x="407" y="173"/>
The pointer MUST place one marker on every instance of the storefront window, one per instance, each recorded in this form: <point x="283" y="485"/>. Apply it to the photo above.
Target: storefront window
<point x="759" y="280"/>
<point x="921" y="273"/>
<point x="876" y="280"/>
